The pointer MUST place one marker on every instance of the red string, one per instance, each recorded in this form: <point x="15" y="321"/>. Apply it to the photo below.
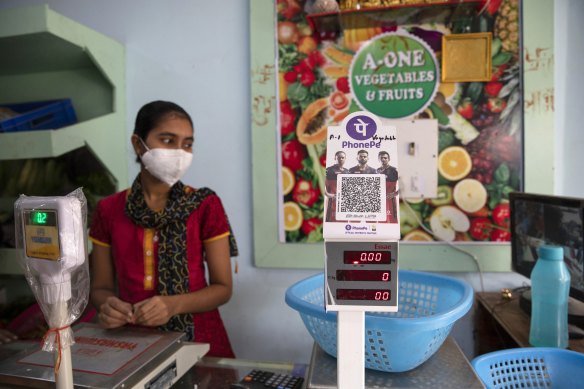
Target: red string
<point x="57" y="332"/>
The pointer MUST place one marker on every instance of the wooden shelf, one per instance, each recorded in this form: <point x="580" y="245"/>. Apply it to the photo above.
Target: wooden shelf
<point x="328" y="24"/>
<point x="503" y="324"/>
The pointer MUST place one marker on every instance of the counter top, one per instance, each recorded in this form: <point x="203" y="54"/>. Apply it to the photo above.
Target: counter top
<point x="447" y="368"/>
<point x="220" y="373"/>
<point x="514" y="322"/>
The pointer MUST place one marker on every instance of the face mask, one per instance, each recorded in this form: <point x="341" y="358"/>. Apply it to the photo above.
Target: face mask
<point x="168" y="165"/>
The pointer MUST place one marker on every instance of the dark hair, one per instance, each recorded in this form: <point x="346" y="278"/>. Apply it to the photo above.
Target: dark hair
<point x="362" y="152"/>
<point x="151" y="114"/>
<point x="383" y="153"/>
<point x="340" y="152"/>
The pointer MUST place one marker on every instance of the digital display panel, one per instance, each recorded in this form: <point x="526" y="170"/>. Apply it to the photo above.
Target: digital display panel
<point x="367" y="257"/>
<point x="361" y="276"/>
<point x="41" y="218"/>
<point x="41" y="234"/>
<point x="364" y="275"/>
<point x="364" y="294"/>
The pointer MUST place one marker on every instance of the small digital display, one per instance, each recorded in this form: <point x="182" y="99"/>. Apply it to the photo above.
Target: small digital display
<point x="364" y="275"/>
<point x="364" y="294"/>
<point x="367" y="257"/>
<point x="41" y="234"/>
<point x="41" y="218"/>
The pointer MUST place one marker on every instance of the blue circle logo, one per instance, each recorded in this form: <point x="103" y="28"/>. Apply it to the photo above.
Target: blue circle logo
<point x="361" y="127"/>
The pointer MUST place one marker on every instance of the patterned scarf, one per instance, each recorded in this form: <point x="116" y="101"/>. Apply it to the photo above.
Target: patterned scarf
<point x="171" y="224"/>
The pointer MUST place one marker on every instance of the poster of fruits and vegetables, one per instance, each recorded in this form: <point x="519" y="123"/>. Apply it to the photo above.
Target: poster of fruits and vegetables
<point x="480" y="158"/>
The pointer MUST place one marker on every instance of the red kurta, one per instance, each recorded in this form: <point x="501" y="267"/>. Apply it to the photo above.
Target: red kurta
<point x="134" y="250"/>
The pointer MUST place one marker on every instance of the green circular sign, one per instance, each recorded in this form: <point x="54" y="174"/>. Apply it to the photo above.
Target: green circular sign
<point x="395" y="75"/>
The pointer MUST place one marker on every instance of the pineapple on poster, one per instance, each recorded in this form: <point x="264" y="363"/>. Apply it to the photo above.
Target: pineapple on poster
<point x="480" y="123"/>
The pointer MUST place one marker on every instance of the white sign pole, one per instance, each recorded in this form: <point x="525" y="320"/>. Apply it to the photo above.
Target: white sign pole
<point x="64" y="375"/>
<point x="361" y="232"/>
<point x="351" y="350"/>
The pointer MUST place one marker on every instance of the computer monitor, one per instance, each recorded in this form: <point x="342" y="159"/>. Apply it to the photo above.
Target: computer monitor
<point x="544" y="219"/>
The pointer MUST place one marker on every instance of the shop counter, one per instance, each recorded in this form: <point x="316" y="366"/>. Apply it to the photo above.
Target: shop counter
<point x="447" y="368"/>
<point x="220" y="373"/>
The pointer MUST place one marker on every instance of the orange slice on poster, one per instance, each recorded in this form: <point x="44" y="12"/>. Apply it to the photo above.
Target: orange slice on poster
<point x="470" y="195"/>
<point x="418" y="235"/>
<point x="454" y="163"/>
<point x="288" y="180"/>
<point x="292" y="216"/>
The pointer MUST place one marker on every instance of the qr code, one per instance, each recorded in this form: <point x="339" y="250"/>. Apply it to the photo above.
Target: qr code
<point x="360" y="197"/>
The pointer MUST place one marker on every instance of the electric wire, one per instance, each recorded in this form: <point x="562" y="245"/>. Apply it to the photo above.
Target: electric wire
<point x="474" y="258"/>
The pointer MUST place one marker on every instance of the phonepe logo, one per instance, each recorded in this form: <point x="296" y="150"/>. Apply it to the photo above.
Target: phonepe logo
<point x="361" y="127"/>
<point x="349" y="227"/>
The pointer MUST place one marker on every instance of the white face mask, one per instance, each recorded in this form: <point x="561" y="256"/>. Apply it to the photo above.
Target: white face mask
<point x="168" y="165"/>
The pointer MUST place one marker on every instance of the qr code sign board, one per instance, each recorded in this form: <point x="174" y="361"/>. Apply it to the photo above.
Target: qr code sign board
<point x="361" y="197"/>
<point x="361" y="180"/>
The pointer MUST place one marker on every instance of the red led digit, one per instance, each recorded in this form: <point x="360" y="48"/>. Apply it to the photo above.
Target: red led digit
<point x="364" y="294"/>
<point x="367" y="257"/>
<point x="364" y="275"/>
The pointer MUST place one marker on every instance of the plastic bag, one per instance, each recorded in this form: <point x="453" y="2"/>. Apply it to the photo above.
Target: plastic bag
<point x="51" y="236"/>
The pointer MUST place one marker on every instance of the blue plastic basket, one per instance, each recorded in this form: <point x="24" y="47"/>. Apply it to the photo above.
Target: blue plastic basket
<point x="428" y="306"/>
<point x="40" y="115"/>
<point x="531" y="367"/>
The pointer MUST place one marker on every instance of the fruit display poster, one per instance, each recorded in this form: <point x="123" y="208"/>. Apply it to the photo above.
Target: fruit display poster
<point x="388" y="61"/>
<point x="361" y="180"/>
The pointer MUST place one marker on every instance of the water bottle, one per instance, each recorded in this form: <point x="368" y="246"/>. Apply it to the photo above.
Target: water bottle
<point x="550" y="287"/>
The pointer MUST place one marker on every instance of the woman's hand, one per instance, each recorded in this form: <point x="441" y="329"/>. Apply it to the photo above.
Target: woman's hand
<point x="115" y="313"/>
<point x="154" y="311"/>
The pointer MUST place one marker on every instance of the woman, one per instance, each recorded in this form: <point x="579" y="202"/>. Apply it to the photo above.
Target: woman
<point x="152" y="240"/>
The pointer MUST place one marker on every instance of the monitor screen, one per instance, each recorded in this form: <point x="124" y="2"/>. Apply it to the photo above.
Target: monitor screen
<point x="543" y="219"/>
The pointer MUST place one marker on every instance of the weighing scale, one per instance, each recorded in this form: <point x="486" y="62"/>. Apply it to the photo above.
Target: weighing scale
<point x="361" y="232"/>
<point x="102" y="359"/>
<point x="448" y="368"/>
<point x="51" y="234"/>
